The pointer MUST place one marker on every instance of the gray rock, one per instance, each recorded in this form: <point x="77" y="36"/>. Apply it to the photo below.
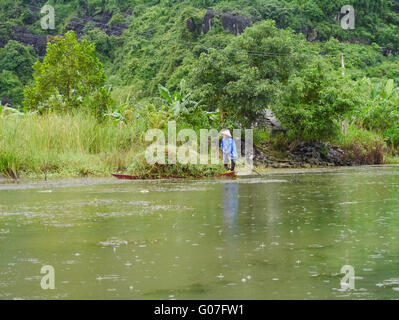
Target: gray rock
<point x="5" y="100"/>
<point x="318" y="153"/>
<point x="99" y="21"/>
<point x="310" y="33"/>
<point x="234" y="23"/>
<point x="269" y="120"/>
<point x="38" y="42"/>
<point x="231" y="22"/>
<point x="191" y="26"/>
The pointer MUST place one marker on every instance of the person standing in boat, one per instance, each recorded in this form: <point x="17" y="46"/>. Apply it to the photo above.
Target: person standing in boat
<point x="229" y="149"/>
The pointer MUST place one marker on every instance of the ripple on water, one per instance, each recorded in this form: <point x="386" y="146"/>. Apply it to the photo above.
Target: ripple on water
<point x="316" y="246"/>
<point x="113" y="277"/>
<point x="313" y="221"/>
<point x="260" y="180"/>
<point x="178" y="189"/>
<point x="347" y="203"/>
<point x="389" y="283"/>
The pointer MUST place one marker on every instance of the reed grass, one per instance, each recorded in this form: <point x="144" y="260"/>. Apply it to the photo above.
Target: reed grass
<point x="363" y="147"/>
<point x="68" y="145"/>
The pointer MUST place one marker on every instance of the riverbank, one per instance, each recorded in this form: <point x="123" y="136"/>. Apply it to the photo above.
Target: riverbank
<point x="54" y="146"/>
<point x="242" y="173"/>
<point x="357" y="147"/>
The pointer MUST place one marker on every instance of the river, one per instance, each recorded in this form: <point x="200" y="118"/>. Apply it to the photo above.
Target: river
<point x="280" y="236"/>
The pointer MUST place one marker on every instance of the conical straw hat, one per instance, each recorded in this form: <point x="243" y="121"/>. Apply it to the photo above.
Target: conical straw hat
<point x="226" y="132"/>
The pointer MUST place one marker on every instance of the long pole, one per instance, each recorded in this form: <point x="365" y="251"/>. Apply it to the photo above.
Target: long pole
<point x="252" y="169"/>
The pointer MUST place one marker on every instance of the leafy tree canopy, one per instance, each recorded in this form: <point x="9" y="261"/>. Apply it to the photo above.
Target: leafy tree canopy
<point x="17" y="58"/>
<point x="69" y="75"/>
<point x="247" y="76"/>
<point x="10" y="88"/>
<point x="315" y="102"/>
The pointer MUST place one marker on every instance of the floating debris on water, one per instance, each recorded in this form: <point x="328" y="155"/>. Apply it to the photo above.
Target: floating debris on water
<point x="349" y="202"/>
<point x="113" y="243"/>
<point x="316" y="246"/>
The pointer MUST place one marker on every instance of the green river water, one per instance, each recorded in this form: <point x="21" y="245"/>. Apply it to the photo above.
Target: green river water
<point x="281" y="236"/>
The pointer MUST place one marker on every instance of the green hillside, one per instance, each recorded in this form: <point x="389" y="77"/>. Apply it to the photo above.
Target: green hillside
<point x="214" y="64"/>
<point x="135" y="38"/>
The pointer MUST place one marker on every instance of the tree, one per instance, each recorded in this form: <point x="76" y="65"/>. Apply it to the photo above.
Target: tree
<point x="247" y="76"/>
<point x="101" y="40"/>
<point x="315" y="101"/>
<point x="70" y="77"/>
<point x="17" y="58"/>
<point x="11" y="88"/>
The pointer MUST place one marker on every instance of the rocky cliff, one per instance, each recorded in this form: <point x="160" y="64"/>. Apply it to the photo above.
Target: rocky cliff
<point x="230" y="22"/>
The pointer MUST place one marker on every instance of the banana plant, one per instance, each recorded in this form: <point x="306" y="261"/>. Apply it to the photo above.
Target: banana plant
<point x="120" y="113"/>
<point x="381" y="112"/>
<point x="386" y="93"/>
<point x="179" y="102"/>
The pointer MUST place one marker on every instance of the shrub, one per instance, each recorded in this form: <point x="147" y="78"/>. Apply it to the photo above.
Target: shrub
<point x="9" y="164"/>
<point x="363" y="147"/>
<point x="315" y="102"/>
<point x="142" y="169"/>
<point x="70" y="77"/>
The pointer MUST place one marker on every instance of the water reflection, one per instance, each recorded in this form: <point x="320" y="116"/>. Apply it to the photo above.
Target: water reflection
<point x="230" y="205"/>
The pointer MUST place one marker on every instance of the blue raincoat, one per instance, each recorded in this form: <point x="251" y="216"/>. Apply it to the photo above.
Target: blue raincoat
<point x="229" y="149"/>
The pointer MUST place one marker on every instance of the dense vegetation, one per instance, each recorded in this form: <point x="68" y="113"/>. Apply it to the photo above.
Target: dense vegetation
<point x="139" y="64"/>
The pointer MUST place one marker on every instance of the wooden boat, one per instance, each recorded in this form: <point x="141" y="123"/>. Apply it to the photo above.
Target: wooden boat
<point x="129" y="177"/>
<point x="125" y="176"/>
<point x="231" y="174"/>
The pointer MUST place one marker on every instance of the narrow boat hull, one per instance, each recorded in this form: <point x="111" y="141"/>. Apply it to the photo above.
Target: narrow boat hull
<point x="125" y="176"/>
<point x="231" y="174"/>
<point x="129" y="177"/>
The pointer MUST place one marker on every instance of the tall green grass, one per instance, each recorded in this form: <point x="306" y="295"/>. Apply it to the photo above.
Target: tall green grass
<point x="67" y="144"/>
<point x="79" y="145"/>
<point x="363" y="147"/>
